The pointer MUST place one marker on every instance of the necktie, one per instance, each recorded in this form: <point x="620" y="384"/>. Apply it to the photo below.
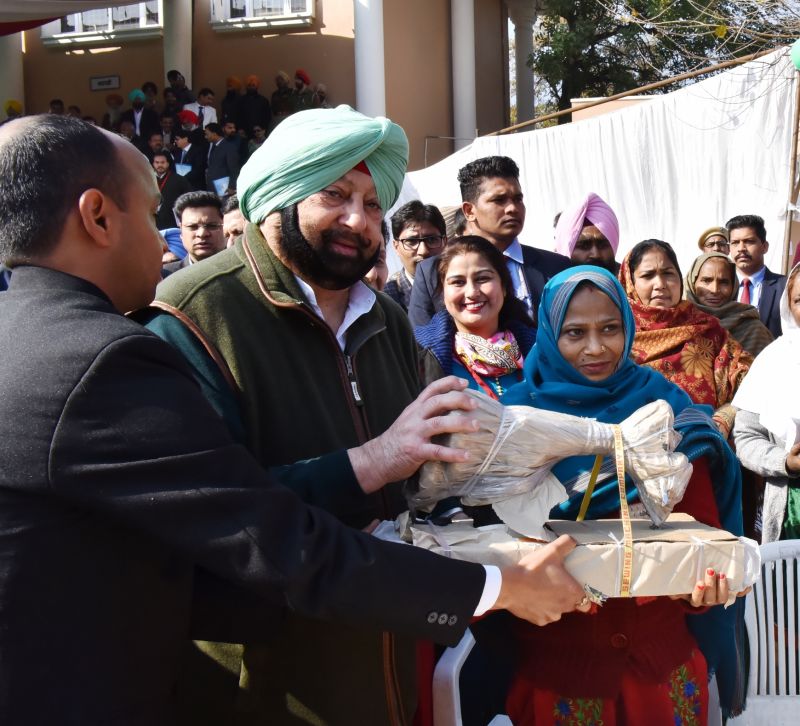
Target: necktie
<point x="200" y="116"/>
<point x="746" y="291"/>
<point x="183" y="155"/>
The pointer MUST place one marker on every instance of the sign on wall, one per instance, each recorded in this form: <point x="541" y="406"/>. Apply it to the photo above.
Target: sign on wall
<point x="104" y="83"/>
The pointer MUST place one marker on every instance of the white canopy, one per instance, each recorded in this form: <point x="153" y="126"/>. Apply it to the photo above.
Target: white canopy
<point x="670" y="167"/>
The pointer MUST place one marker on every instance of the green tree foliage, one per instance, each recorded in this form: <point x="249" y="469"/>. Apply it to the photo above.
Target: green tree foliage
<point x="601" y="47"/>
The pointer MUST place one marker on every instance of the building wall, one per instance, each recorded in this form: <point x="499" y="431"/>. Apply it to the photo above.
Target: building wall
<point x="417" y="65"/>
<point x="55" y="73"/>
<point x="324" y="51"/>
<point x="491" y="65"/>
<point x="418" y="71"/>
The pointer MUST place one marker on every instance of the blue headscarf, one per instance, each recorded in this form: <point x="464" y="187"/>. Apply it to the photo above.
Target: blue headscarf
<point x="552" y="383"/>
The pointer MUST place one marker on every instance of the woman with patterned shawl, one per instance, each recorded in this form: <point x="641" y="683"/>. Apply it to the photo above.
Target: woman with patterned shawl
<point x="633" y="660"/>
<point x="673" y="336"/>
<point x="712" y="286"/>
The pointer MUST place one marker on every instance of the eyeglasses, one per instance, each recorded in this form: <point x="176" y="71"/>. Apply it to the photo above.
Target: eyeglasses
<point x="433" y="242"/>
<point x="718" y="244"/>
<point x="212" y="227"/>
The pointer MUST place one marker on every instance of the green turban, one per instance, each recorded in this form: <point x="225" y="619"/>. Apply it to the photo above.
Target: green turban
<point x="314" y="148"/>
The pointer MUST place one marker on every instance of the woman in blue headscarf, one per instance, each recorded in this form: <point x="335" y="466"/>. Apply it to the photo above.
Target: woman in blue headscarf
<point x="633" y="661"/>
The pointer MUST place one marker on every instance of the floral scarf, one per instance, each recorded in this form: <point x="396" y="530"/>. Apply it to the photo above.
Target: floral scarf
<point x="495" y="356"/>
<point x="687" y="346"/>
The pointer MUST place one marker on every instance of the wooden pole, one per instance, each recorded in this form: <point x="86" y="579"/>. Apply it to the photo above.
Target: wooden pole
<point x="634" y="91"/>
<point x="793" y="186"/>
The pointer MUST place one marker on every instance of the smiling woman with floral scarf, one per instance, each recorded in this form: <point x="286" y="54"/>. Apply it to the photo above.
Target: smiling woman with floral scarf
<point x="673" y="336"/>
<point x="484" y="332"/>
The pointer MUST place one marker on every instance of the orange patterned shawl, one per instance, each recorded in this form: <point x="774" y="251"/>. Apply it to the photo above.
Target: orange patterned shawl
<point x="688" y="347"/>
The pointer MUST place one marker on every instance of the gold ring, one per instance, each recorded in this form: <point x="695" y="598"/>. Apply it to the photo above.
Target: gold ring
<point x="584" y="602"/>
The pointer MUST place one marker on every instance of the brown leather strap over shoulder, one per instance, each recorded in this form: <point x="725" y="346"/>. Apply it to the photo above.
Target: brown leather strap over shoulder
<point x="210" y="348"/>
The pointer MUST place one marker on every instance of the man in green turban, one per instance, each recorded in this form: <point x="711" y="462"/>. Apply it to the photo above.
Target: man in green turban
<point x="302" y="358"/>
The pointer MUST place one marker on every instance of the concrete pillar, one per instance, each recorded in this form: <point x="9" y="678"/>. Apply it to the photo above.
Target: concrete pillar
<point x="462" y="33"/>
<point x="12" y="84"/>
<point x="177" y="22"/>
<point x="523" y="15"/>
<point x="370" y="74"/>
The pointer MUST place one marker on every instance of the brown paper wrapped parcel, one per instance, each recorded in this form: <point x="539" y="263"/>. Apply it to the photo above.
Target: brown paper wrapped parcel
<point x="668" y="560"/>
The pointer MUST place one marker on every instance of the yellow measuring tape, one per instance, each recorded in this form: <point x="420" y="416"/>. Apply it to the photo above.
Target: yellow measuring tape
<point x="625" y="514"/>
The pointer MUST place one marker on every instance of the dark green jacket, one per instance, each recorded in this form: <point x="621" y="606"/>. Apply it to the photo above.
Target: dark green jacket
<point x="296" y="395"/>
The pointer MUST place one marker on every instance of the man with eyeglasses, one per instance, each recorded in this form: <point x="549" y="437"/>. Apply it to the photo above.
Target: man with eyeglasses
<point x="418" y="232"/>
<point x="714" y="239"/>
<point x="199" y="216"/>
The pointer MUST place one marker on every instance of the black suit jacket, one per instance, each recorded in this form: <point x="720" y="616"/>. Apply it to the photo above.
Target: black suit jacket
<point x="172" y="188"/>
<point x="117" y="478"/>
<point x="538" y="266"/>
<point x="223" y="161"/>
<point x="196" y="158"/>
<point x="148" y="124"/>
<point x="769" y="304"/>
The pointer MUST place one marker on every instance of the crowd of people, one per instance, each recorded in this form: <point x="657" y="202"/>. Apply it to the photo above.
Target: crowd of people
<point x="203" y="467"/>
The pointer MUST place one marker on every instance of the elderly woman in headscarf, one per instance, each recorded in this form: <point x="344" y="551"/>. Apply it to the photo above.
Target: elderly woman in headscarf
<point x="673" y="336"/>
<point x="767" y="430"/>
<point x="588" y="233"/>
<point x="712" y="286"/>
<point x="634" y="660"/>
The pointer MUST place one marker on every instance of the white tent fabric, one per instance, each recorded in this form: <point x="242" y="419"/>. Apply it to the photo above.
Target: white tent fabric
<point x="670" y="167"/>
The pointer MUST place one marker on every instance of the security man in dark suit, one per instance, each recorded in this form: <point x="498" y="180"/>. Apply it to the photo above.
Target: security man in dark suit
<point x="223" y="161"/>
<point x="758" y="285"/>
<point x="118" y="477"/>
<point x="493" y="205"/>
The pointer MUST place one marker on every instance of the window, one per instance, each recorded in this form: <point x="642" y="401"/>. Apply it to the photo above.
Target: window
<point x="137" y="20"/>
<point x="246" y="14"/>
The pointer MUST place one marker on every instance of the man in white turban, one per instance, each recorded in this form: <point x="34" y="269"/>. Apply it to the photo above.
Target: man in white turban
<point x="302" y="358"/>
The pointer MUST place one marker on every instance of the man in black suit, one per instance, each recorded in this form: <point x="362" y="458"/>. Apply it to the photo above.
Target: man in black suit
<point x="222" y="162"/>
<point x="145" y="120"/>
<point x="758" y="285"/>
<point x="118" y="477"/>
<point x="188" y="154"/>
<point x="493" y="205"/>
<point x="171" y="185"/>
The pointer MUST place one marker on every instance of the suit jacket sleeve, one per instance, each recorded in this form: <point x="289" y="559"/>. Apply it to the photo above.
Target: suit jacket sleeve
<point x="232" y="162"/>
<point x="422" y="303"/>
<point x="136" y="443"/>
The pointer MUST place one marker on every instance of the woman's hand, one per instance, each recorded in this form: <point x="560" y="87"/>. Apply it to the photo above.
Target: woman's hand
<point x="711" y="590"/>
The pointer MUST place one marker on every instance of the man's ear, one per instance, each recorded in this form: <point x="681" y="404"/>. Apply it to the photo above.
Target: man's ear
<point x="94" y="208"/>
<point x="469" y="210"/>
<point x="766" y="245"/>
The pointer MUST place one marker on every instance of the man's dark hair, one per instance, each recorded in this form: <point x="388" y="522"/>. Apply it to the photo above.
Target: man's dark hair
<point x="459" y="222"/>
<point x="645" y="246"/>
<point x="33" y="208"/>
<point x="192" y="200"/>
<point x="748" y="220"/>
<point x="416" y="211"/>
<point x="154" y="133"/>
<point x="181" y="133"/>
<point x="205" y="91"/>
<point x="172" y="75"/>
<point x="230" y="203"/>
<point x="215" y="128"/>
<point x="150" y="86"/>
<point x="165" y="153"/>
<point x="471" y="176"/>
<point x="56" y="102"/>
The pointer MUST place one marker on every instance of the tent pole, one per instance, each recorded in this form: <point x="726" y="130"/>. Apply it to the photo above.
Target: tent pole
<point x="793" y="185"/>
